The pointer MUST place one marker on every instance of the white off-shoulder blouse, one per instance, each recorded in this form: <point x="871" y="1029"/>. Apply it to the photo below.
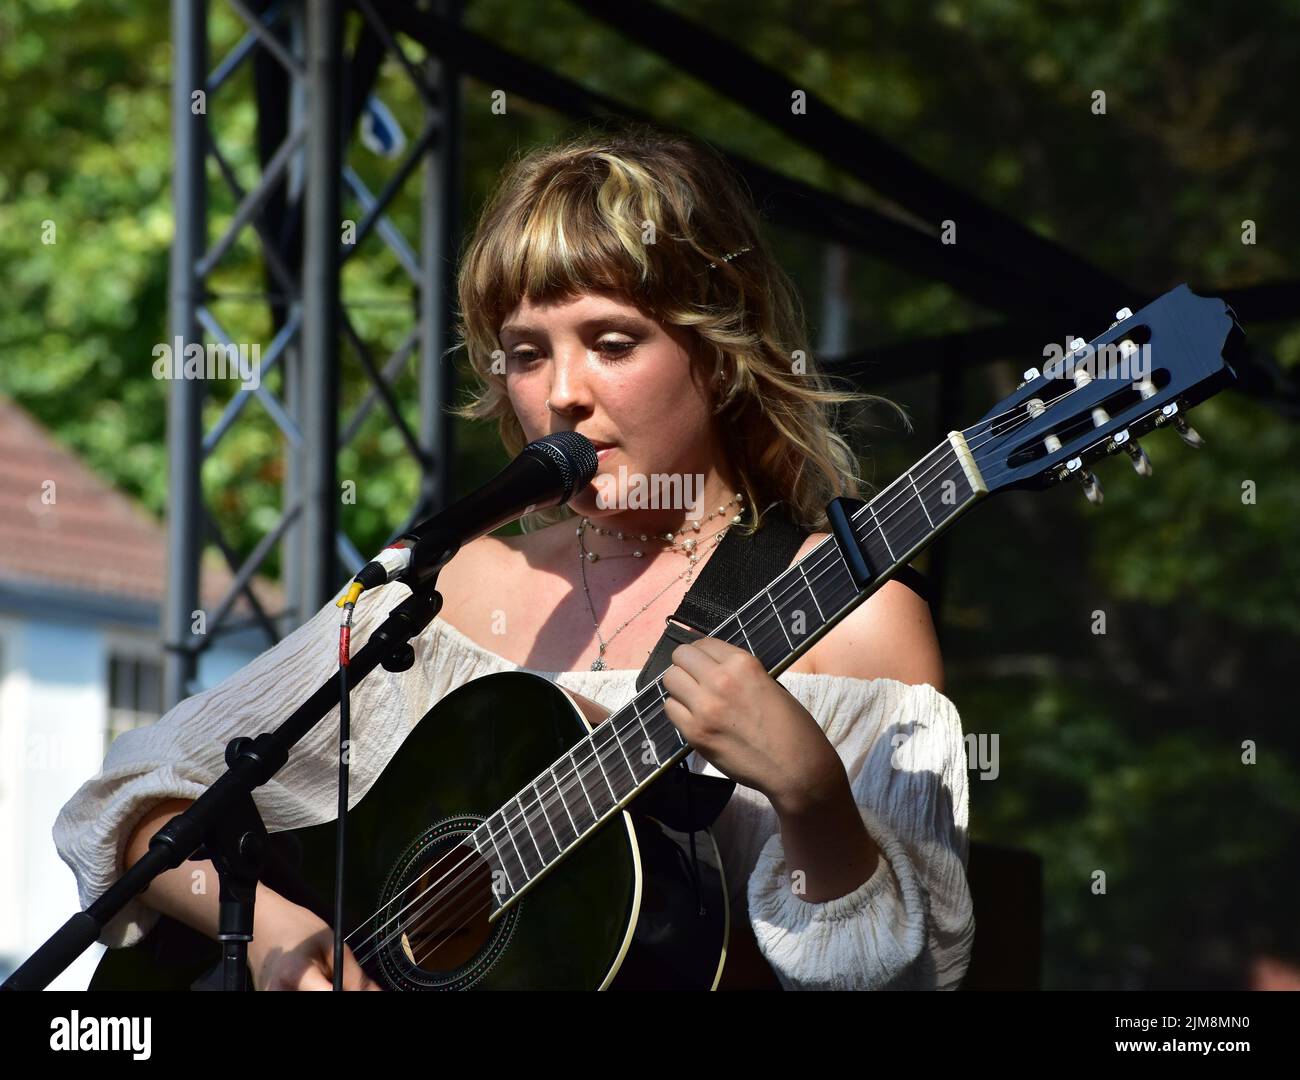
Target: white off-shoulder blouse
<point x="910" y="925"/>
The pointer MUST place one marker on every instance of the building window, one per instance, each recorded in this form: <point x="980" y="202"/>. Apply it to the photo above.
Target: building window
<point x="134" y="693"/>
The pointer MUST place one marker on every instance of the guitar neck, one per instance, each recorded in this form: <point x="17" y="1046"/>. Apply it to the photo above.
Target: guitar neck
<point x="870" y="541"/>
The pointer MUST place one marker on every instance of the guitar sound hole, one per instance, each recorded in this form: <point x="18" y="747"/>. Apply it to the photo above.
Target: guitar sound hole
<point x="447" y="926"/>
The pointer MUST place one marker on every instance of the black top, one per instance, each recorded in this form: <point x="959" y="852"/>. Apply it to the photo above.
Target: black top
<point x="917" y="582"/>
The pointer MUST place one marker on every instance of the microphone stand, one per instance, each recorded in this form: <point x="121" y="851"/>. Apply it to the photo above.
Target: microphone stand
<point x="223" y="823"/>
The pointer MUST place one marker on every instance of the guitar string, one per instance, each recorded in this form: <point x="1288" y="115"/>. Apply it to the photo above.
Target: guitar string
<point x="762" y="629"/>
<point x="599" y="753"/>
<point x="583" y="774"/>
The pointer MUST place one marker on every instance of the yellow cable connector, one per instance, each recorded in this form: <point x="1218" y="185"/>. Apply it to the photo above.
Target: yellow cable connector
<point x="350" y="597"/>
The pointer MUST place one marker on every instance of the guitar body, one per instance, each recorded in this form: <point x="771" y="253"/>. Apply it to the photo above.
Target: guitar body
<point x="618" y="911"/>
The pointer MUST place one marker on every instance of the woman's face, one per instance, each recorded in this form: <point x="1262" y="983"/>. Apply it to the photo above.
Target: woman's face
<point x="622" y="379"/>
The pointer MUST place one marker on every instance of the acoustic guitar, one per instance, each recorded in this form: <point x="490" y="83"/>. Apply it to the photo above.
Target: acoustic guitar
<point x="503" y="846"/>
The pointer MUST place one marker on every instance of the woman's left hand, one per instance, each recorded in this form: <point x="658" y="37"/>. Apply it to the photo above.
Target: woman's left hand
<point x="749" y="726"/>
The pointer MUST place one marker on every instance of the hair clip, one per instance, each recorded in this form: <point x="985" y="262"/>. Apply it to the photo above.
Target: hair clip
<point x="728" y="258"/>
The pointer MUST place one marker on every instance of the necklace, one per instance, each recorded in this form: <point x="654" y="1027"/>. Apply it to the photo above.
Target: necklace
<point x="686" y="547"/>
<point x="692" y="555"/>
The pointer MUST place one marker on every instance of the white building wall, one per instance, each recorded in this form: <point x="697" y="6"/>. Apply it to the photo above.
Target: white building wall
<point x="53" y="722"/>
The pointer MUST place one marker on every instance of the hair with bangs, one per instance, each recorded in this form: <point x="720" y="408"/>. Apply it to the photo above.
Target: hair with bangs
<point x="642" y="212"/>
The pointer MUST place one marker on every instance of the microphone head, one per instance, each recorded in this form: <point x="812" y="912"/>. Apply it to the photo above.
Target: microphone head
<point x="573" y="456"/>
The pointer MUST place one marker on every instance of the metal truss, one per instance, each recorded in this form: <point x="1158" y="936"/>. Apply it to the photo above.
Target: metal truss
<point x="310" y="95"/>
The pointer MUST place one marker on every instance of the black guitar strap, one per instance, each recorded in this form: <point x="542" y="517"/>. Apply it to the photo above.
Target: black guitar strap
<point x="741" y="567"/>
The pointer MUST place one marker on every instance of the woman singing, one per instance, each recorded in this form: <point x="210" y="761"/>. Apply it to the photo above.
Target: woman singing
<point x="618" y="285"/>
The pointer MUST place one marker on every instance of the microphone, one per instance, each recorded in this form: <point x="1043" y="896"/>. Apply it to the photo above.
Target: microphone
<point x="547" y="472"/>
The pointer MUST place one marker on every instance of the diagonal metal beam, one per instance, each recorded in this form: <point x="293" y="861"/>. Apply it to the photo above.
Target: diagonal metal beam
<point x="273" y="404"/>
<point x="384" y="391"/>
<point x="784" y="200"/>
<point x="260" y="27"/>
<point x="242" y="50"/>
<point x="392" y="366"/>
<point x="283" y="278"/>
<point x="1045" y="268"/>
<point x="244" y="574"/>
<point x="236" y="404"/>
<point x="375" y="218"/>
<point x="253" y="201"/>
<point x="391" y="43"/>
<point x="375" y="205"/>
<point x="243" y="577"/>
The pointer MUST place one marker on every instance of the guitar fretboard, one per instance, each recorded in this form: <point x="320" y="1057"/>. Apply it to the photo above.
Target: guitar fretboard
<point x="608" y="768"/>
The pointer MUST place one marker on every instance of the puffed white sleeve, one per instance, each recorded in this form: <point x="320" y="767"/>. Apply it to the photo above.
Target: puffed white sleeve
<point x="181" y="754"/>
<point x="910" y="925"/>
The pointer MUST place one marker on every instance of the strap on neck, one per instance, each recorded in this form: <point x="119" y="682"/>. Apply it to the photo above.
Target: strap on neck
<point x="741" y="567"/>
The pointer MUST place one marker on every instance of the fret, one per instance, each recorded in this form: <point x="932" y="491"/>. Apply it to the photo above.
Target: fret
<point x="780" y="620"/>
<point x="838" y="588"/>
<point x="633" y="738"/>
<point x="530" y="855"/>
<point x="921" y="501"/>
<point x="907" y="527"/>
<point x="902" y="516"/>
<point x="670" y="732"/>
<point x="568" y="830"/>
<point x="800" y="611"/>
<point x="503" y="864"/>
<point x="811" y="591"/>
<point x="541" y="837"/>
<point x="478" y="846"/>
<point x="946" y="490"/>
<point x="942" y="491"/>
<point x="617" y="739"/>
<point x="603" y="798"/>
<point x="658" y="739"/>
<point x="880" y="529"/>
<point x="749" y="645"/>
<point x="550" y="850"/>
<point x="874" y="550"/>
<point x="756" y="624"/>
<point x="577" y="775"/>
<point x="617" y="768"/>
<point x="649" y="741"/>
<point x="669" y="740"/>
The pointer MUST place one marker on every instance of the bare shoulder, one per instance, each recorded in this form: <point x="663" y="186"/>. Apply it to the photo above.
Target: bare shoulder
<point x="890" y="635"/>
<point x="487" y="568"/>
<point x="485" y="563"/>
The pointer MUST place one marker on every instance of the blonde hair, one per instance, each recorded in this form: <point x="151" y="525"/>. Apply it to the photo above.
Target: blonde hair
<point x="643" y="212"/>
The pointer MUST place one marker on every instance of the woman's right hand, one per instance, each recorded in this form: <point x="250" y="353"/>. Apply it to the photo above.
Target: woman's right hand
<point x="293" y="949"/>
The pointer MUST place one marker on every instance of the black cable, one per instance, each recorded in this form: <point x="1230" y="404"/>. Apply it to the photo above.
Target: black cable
<point x="341" y="840"/>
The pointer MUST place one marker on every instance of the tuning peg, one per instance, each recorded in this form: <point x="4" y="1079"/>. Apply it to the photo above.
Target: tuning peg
<point x="1141" y="463"/>
<point x="1091" y="486"/>
<point x="1186" y="432"/>
<point x="1122" y="314"/>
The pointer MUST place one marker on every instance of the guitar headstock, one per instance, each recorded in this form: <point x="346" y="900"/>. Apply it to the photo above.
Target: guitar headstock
<point x="1093" y="399"/>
